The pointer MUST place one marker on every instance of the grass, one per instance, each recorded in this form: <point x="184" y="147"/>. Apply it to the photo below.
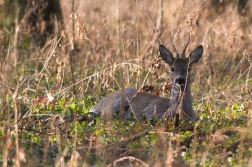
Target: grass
<point x="47" y="91"/>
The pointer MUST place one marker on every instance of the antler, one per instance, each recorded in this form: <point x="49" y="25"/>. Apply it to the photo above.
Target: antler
<point x="174" y="48"/>
<point x="183" y="53"/>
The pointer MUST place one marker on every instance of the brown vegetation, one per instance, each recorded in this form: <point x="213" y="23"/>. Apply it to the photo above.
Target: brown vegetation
<point x="46" y="91"/>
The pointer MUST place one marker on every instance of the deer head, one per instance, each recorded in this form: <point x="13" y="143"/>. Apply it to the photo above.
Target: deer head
<point x="180" y="67"/>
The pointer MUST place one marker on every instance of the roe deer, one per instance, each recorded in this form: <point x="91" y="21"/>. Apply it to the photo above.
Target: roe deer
<point x="129" y="100"/>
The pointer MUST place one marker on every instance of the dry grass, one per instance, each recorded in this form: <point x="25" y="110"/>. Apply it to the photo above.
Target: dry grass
<point x="43" y="89"/>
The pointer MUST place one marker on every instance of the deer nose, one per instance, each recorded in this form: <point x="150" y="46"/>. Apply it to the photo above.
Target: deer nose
<point x="180" y="81"/>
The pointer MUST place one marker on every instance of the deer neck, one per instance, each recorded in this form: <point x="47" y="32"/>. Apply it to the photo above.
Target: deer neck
<point x="182" y="99"/>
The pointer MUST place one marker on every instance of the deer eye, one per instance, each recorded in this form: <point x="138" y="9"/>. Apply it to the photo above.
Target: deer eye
<point x="189" y="69"/>
<point x="172" y="69"/>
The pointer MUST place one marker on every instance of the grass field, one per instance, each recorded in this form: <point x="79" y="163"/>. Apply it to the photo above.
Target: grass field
<point x="47" y="91"/>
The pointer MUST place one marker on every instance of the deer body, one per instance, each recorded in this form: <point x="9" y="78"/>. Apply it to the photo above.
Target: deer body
<point x="129" y="100"/>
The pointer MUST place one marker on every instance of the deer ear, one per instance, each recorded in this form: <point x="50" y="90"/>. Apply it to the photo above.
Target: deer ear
<point x="166" y="55"/>
<point x="195" y="55"/>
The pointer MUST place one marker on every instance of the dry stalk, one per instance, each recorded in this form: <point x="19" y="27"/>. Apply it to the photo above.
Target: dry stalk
<point x="128" y="158"/>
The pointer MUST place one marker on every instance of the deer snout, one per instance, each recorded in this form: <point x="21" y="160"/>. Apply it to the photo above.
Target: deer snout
<point x="180" y="81"/>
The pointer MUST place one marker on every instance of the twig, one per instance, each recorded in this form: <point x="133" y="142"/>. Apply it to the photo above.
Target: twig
<point x="130" y="158"/>
<point x="119" y="143"/>
<point x="15" y="94"/>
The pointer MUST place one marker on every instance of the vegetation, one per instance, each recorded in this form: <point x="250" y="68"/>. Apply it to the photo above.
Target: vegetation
<point x="48" y="88"/>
